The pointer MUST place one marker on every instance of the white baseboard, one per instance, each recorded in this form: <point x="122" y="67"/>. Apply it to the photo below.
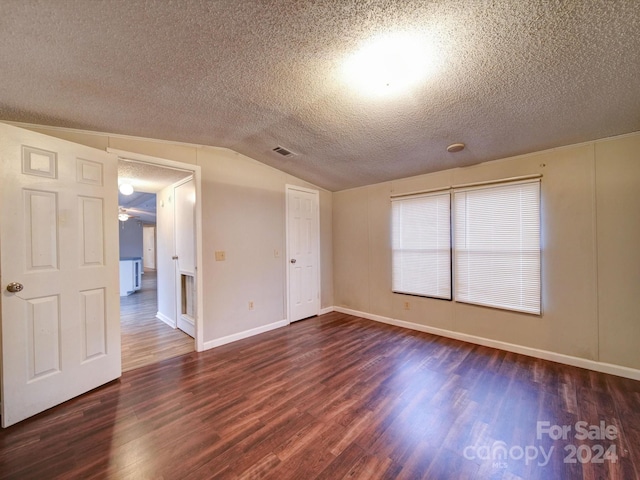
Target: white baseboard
<point x="242" y="335"/>
<point x="187" y="325"/>
<point x="165" y="319"/>
<point x="324" y="311"/>
<point x="509" y="347"/>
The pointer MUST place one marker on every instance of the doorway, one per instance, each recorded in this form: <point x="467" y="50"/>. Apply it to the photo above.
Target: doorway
<point x="303" y="253"/>
<point x="149" y="247"/>
<point x="150" y="325"/>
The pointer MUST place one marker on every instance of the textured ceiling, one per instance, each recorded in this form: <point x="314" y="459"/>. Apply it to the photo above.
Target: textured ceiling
<point x="145" y="177"/>
<point x="146" y="180"/>
<point x="514" y="77"/>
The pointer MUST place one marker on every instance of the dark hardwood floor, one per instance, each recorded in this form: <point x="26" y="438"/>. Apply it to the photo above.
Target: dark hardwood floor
<point x="145" y="339"/>
<point x="336" y="397"/>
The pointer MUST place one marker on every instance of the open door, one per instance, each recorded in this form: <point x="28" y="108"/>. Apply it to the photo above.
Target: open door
<point x="185" y="255"/>
<point x="58" y="270"/>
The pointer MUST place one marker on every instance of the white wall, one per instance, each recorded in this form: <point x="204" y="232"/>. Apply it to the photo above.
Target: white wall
<point x="590" y="256"/>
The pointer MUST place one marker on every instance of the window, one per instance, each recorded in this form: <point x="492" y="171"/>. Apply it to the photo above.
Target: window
<point x="497" y="246"/>
<point x="421" y="245"/>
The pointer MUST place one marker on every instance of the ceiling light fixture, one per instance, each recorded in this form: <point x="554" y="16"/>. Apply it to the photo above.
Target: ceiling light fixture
<point x="126" y="188"/>
<point x="123" y="217"/>
<point x="391" y="64"/>
<point x="455" y="147"/>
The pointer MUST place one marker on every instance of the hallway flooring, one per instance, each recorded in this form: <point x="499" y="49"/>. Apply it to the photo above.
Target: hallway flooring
<point x="145" y="339"/>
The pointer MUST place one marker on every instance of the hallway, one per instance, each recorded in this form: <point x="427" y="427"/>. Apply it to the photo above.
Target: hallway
<point x="146" y="339"/>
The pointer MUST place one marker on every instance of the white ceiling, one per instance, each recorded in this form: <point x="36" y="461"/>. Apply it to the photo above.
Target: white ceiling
<point x="516" y="76"/>
<point x="147" y="177"/>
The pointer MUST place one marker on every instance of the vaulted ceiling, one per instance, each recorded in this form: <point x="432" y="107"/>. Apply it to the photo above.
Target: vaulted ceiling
<point x="508" y="77"/>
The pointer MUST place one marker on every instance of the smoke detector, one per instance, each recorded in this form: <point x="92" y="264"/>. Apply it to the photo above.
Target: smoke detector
<point x="455" y="147"/>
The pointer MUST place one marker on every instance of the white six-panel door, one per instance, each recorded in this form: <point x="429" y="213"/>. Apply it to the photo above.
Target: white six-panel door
<point x="59" y="255"/>
<point x="303" y="253"/>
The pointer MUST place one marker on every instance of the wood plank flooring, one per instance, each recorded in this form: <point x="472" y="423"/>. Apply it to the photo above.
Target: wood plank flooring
<point x="334" y="397"/>
<point x="145" y="339"/>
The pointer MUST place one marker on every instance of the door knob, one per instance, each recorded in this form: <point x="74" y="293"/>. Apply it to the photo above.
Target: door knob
<point x="175" y="257"/>
<point x="293" y="260"/>
<point x="14" y="287"/>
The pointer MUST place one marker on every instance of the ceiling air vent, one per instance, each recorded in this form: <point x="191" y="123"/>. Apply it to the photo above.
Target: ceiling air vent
<point x="283" y="151"/>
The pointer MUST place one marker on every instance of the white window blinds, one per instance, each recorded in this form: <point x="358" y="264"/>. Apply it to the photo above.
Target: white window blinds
<point x="497" y="246"/>
<point x="421" y="245"/>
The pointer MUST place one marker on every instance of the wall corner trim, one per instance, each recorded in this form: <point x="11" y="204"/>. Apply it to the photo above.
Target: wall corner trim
<point x="602" y="367"/>
<point x="218" y="342"/>
<point x="165" y="319"/>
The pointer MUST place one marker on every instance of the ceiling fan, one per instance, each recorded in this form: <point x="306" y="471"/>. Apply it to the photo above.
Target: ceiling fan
<point x="124" y="215"/>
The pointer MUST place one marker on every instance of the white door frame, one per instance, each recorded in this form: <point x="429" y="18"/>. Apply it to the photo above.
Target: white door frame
<point x="289" y="187"/>
<point x="197" y="177"/>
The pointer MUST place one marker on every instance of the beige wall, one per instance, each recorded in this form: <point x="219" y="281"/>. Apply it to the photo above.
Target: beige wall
<point x="243" y="213"/>
<point x="590" y="235"/>
<point x="618" y="206"/>
<point x="244" y="204"/>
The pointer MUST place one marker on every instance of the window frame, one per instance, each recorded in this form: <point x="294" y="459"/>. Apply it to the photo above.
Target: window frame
<point x="454" y="251"/>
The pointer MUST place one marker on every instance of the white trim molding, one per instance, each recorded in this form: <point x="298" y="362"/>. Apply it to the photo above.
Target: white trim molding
<point x="218" y="342"/>
<point x="326" y="310"/>
<point x="165" y="319"/>
<point x="594" y="365"/>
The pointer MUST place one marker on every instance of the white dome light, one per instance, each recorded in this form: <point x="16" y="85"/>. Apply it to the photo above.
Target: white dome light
<point x="123" y="217"/>
<point x="126" y="188"/>
<point x="391" y="64"/>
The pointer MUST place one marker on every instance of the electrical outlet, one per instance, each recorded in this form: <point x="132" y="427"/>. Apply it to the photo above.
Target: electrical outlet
<point x="407" y="306"/>
<point x="221" y="255"/>
<point x="250" y="304"/>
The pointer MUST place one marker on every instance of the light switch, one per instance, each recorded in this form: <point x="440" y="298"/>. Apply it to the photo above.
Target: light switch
<point x="221" y="256"/>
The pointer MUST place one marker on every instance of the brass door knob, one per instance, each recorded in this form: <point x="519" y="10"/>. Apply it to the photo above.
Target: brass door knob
<point x="14" y="287"/>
